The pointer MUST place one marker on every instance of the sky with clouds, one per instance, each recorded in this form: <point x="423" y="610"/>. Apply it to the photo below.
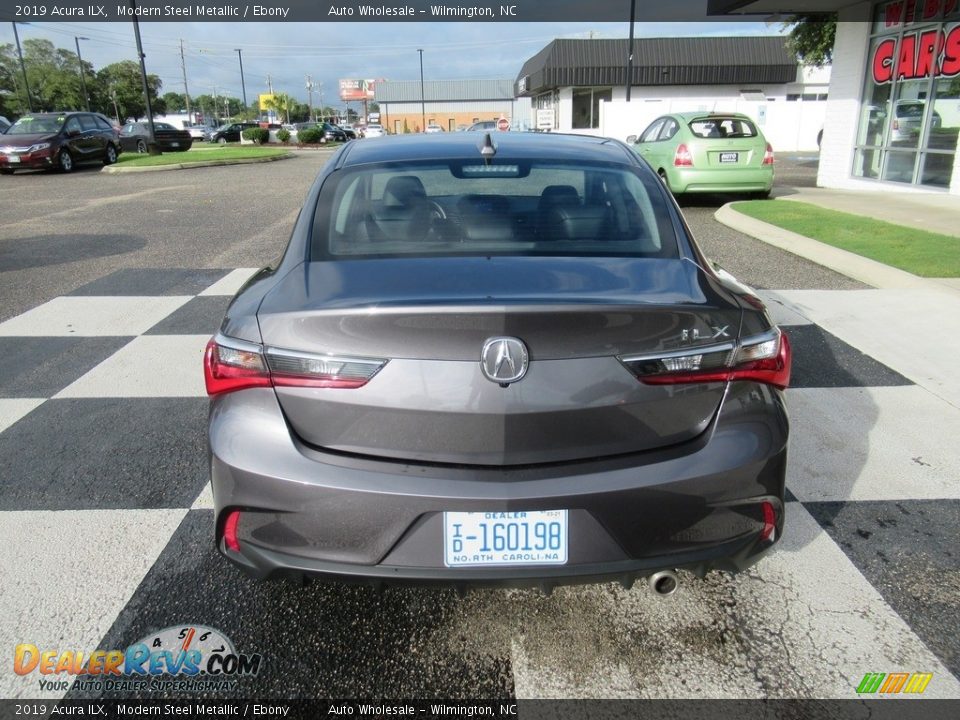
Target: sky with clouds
<point x="330" y="51"/>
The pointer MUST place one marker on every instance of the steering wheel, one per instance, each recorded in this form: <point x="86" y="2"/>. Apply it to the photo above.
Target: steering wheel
<point x="438" y="221"/>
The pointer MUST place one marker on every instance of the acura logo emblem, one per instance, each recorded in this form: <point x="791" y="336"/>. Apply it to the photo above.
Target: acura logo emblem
<point x="504" y="360"/>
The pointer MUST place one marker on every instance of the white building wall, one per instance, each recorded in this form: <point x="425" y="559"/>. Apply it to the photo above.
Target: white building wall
<point x="843" y="107"/>
<point x="788" y="126"/>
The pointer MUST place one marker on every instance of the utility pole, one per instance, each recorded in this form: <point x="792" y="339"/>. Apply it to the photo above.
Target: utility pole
<point x="310" y="97"/>
<point x="423" y="106"/>
<point x="243" y="84"/>
<point x="269" y="84"/>
<point x="152" y="146"/>
<point x="23" y="67"/>
<point x="633" y="14"/>
<point x="186" y="91"/>
<point x="83" y="79"/>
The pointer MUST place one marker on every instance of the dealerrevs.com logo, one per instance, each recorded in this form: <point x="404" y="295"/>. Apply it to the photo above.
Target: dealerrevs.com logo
<point x="894" y="683"/>
<point x="189" y="658"/>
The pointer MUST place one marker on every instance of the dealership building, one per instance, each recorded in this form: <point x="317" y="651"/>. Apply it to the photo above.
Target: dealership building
<point x="406" y="104"/>
<point x="579" y="85"/>
<point x="893" y="113"/>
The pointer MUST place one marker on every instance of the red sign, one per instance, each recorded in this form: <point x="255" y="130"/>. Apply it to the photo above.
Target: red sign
<point x="920" y="54"/>
<point x="503" y="124"/>
<point x="907" y="12"/>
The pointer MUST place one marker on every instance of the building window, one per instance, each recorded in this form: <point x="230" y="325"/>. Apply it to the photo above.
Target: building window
<point x="910" y="113"/>
<point x="586" y="106"/>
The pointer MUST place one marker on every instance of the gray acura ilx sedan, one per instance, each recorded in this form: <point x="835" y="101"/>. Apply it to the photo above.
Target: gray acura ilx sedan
<point x="495" y="359"/>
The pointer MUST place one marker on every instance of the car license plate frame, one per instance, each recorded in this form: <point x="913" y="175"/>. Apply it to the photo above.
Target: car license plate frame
<point x="505" y="539"/>
<point x="13" y="159"/>
<point x="729" y="157"/>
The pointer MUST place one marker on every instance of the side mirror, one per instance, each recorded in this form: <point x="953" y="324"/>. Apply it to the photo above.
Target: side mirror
<point x="73" y="133"/>
<point x="631" y="139"/>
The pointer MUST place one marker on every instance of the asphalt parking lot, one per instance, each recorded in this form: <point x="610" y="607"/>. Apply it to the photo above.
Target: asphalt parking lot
<point x="111" y="284"/>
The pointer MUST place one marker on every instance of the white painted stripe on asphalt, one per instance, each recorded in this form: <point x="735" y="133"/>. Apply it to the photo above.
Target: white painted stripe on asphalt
<point x="878" y="443"/>
<point x="204" y="500"/>
<point x="915" y="332"/>
<point x="781" y="310"/>
<point x="802" y="623"/>
<point x="12" y="409"/>
<point x="147" y="366"/>
<point x="93" y="316"/>
<point x="229" y="284"/>
<point x="66" y="577"/>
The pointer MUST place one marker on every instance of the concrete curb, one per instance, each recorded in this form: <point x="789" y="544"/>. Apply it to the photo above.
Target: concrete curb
<point x="116" y="169"/>
<point x="846" y="263"/>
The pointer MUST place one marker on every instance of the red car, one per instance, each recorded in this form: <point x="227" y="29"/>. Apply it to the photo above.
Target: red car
<point x="58" y="140"/>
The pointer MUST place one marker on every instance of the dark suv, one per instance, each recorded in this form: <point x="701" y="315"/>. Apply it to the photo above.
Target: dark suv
<point x="230" y="132"/>
<point x="58" y="140"/>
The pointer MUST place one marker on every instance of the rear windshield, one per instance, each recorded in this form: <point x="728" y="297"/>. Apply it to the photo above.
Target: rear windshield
<point x="723" y="127"/>
<point x="35" y="125"/>
<point x="464" y="207"/>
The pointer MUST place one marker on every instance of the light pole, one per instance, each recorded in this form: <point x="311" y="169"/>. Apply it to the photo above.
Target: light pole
<point x="152" y="146"/>
<point x="633" y="13"/>
<point x="23" y="67"/>
<point x="83" y="79"/>
<point x="243" y="84"/>
<point x="423" y="106"/>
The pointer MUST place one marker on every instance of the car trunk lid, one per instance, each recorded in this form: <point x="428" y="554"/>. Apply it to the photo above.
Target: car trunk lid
<point x="432" y="402"/>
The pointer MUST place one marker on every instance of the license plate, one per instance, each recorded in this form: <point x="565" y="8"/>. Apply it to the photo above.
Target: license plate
<point x="729" y="157"/>
<point x="174" y="144"/>
<point x="13" y="159"/>
<point x="505" y="538"/>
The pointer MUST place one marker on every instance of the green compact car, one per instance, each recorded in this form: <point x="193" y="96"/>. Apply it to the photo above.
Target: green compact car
<point x="707" y="152"/>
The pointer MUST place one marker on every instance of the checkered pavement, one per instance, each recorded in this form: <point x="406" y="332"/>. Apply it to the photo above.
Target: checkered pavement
<point x="106" y="530"/>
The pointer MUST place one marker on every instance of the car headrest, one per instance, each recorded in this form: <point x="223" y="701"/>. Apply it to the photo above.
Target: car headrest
<point x="403" y="190"/>
<point x="553" y="195"/>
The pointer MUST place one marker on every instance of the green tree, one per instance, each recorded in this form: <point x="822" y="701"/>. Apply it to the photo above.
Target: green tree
<point x="811" y="37"/>
<point x="281" y="103"/>
<point x="53" y="74"/>
<point x="175" y="102"/>
<point x="122" y="79"/>
<point x="12" y="100"/>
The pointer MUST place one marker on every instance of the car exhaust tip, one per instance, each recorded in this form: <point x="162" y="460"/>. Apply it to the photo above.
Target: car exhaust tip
<point x="664" y="583"/>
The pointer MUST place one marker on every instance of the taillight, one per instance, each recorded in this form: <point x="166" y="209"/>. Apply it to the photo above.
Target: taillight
<point x="769" y="531"/>
<point x="768" y="155"/>
<point x="230" y="524"/>
<point x="764" y="358"/>
<point x="682" y="157"/>
<point x="231" y="364"/>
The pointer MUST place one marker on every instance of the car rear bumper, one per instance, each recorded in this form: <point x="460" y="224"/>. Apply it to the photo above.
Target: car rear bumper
<point x="696" y="506"/>
<point x="698" y="180"/>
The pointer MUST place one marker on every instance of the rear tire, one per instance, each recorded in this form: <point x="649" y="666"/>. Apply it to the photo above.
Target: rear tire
<point x="222" y="141"/>
<point x="141" y="146"/>
<point x="65" y="161"/>
<point x="762" y="195"/>
<point x="110" y="156"/>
